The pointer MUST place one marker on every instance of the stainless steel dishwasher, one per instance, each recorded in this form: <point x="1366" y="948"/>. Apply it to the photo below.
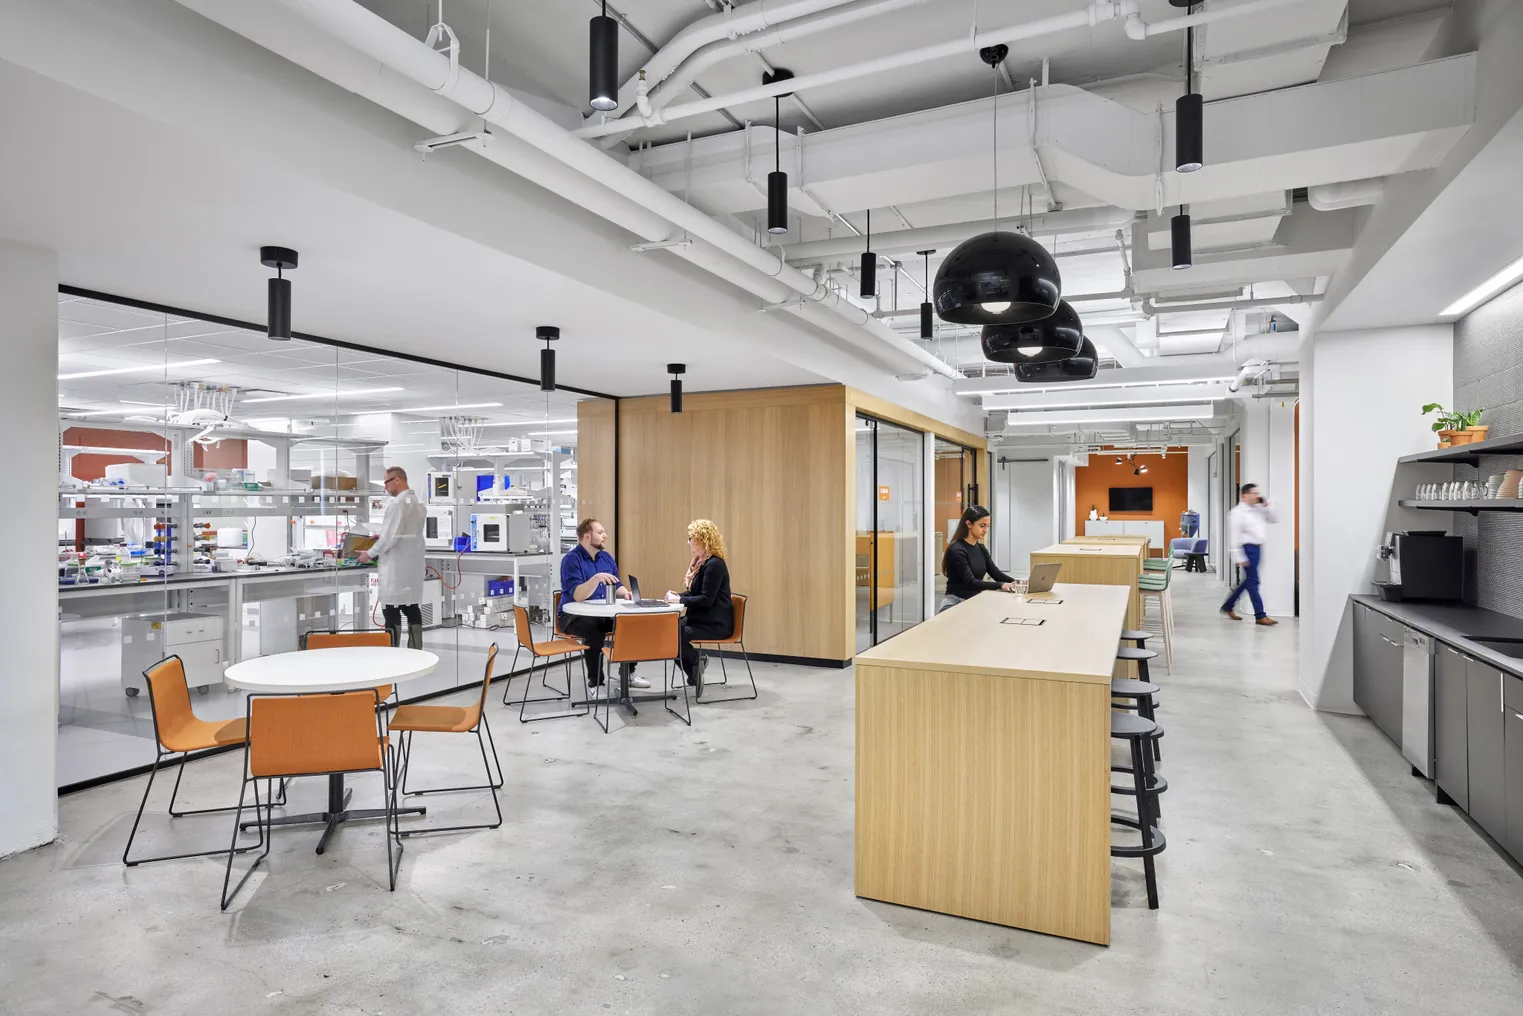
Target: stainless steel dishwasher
<point x="1417" y="701"/>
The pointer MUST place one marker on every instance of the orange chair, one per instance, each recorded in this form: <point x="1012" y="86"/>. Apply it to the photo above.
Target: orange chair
<point x="562" y="647"/>
<point x="177" y="731"/>
<point x="472" y="719"/>
<point x="737" y="638"/>
<point x="314" y="735"/>
<point x="339" y="639"/>
<point x="642" y="638"/>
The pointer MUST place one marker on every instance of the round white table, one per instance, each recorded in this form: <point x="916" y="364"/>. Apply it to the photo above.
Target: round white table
<point x="601" y="608"/>
<point x="344" y="668"/>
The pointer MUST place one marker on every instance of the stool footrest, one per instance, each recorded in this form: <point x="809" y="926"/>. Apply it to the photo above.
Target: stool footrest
<point x="1157" y="786"/>
<point x="1137" y="851"/>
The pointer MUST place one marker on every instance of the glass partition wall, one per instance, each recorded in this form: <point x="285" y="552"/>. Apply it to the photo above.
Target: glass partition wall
<point x="215" y="484"/>
<point x="890" y="571"/>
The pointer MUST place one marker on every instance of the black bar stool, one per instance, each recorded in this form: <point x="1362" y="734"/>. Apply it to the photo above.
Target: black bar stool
<point x="1146" y="786"/>
<point x="1138" y="697"/>
<point x="1139" y="637"/>
<point x="1139" y="656"/>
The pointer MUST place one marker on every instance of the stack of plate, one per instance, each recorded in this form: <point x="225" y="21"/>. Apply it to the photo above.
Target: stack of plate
<point x="1509" y="486"/>
<point x="1494" y="484"/>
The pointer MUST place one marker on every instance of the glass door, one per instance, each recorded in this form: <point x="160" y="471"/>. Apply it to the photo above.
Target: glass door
<point x="890" y="572"/>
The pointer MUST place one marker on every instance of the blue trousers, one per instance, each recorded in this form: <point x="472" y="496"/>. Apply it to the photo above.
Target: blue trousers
<point x="1250" y="583"/>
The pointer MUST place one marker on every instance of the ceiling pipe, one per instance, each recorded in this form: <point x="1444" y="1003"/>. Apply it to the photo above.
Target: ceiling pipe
<point x="394" y="48"/>
<point x="728" y="24"/>
<point x="1330" y="197"/>
<point x="904" y="241"/>
<point x="1096" y="13"/>
<point x="773" y="35"/>
<point x="1138" y="30"/>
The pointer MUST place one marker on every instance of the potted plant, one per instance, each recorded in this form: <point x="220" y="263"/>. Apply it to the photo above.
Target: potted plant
<point x="1456" y="428"/>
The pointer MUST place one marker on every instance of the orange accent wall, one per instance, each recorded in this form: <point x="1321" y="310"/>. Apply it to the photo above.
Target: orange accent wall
<point x="1169" y="478"/>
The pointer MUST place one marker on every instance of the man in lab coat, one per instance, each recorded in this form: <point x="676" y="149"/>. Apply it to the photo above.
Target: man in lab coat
<point x="400" y="549"/>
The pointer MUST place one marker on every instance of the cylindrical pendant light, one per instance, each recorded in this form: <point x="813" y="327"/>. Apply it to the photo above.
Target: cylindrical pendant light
<point x="278" y="313"/>
<point x="869" y="263"/>
<point x="927" y="312"/>
<point x="547" y="334"/>
<point x="1056" y="337"/>
<point x="1189" y="111"/>
<point x="777" y="180"/>
<point x="603" y="62"/>
<point x="676" y="370"/>
<point x="1179" y="233"/>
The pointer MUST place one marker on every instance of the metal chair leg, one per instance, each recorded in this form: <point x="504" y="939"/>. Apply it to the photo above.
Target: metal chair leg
<point x="524" y="701"/>
<point x="708" y="699"/>
<point x="266" y="836"/>
<point x="143" y="804"/>
<point x="668" y="668"/>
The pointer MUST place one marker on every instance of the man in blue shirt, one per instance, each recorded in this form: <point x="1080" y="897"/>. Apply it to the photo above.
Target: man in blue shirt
<point x="588" y="572"/>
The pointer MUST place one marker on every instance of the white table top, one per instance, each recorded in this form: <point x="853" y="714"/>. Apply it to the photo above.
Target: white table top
<point x="345" y="668"/>
<point x="597" y="608"/>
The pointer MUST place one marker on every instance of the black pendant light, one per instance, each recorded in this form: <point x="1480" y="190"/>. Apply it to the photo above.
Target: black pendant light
<point x="603" y="62"/>
<point x="926" y="323"/>
<point x="278" y="316"/>
<point x="677" y="370"/>
<point x="547" y="334"/>
<point x="1189" y="111"/>
<point x="869" y="263"/>
<point x="777" y="180"/>
<point x="1058" y="336"/>
<point x="999" y="277"/>
<point x="1082" y="367"/>
<point x="1179" y="234"/>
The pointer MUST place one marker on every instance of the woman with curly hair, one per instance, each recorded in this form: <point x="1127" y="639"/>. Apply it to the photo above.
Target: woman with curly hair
<point x="710" y="614"/>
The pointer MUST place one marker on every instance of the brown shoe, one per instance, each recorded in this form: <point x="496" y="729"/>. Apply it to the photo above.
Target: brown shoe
<point x="1232" y="615"/>
<point x="1265" y="621"/>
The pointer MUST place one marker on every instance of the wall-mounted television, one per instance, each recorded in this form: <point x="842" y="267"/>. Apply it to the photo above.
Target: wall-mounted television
<point x="1131" y="499"/>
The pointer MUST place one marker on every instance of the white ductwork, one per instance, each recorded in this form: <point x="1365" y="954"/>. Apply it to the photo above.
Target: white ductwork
<point x="934" y="237"/>
<point x="1331" y="197"/>
<point x="1254" y="368"/>
<point x="773" y="35"/>
<point x="1137" y="29"/>
<point x="668" y="221"/>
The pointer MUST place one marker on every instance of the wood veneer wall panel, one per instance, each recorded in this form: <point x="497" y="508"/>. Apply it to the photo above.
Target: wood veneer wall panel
<point x="770" y="468"/>
<point x="595" y="463"/>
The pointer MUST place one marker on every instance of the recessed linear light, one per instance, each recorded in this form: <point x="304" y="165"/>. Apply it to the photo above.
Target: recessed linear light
<point x="1109" y="384"/>
<point x="101" y="412"/>
<point x="446" y="409"/>
<point x="135" y="370"/>
<point x="1485" y="291"/>
<point x="528" y="423"/>
<point x="1199" y="411"/>
<point x="355" y="393"/>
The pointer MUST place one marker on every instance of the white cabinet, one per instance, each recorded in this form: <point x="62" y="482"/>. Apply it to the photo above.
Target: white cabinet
<point x="195" y="638"/>
<point x="1151" y="528"/>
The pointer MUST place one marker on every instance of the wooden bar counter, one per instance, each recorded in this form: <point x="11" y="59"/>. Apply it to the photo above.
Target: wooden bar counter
<point x="983" y="761"/>
<point x="1108" y="563"/>
<point x="1141" y="541"/>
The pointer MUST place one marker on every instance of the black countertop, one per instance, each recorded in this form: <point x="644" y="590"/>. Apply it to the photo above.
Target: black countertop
<point x="1456" y="624"/>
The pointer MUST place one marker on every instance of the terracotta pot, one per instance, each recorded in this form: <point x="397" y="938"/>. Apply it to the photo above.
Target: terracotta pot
<point x="1478" y="432"/>
<point x="1460" y="437"/>
<point x="1445" y="438"/>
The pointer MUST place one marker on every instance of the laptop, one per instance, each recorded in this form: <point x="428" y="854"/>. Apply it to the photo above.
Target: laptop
<point x="1042" y="578"/>
<point x="634" y="589"/>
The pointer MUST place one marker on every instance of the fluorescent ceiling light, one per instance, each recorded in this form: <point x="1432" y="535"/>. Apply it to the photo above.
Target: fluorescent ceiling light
<point x="1088" y="417"/>
<point x="135" y="370"/>
<point x="100" y="412"/>
<point x="354" y="393"/>
<point x="1017" y="387"/>
<point x="1485" y="291"/>
<point x="446" y="409"/>
<point x="1115" y="397"/>
<point x="524" y="423"/>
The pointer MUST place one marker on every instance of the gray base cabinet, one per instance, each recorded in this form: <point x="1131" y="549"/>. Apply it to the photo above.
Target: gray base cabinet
<point x="1450" y="724"/>
<point x="1512" y="738"/>
<point x="1487" y="755"/>
<point x="1377" y="669"/>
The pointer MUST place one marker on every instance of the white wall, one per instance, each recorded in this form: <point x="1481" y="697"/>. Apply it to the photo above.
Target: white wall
<point x="1198" y="487"/>
<point x="29" y="595"/>
<point x="1361" y="399"/>
<point x="1268" y="438"/>
<point x="1024" y="512"/>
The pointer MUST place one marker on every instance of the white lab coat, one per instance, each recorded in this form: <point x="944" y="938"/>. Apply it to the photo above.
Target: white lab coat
<point x="400" y="550"/>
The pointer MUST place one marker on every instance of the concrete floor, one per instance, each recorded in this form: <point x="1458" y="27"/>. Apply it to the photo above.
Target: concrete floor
<point x="665" y="870"/>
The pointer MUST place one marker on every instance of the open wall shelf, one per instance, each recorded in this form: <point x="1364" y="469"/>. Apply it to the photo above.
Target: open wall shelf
<point x="1472" y="505"/>
<point x="1470" y="454"/>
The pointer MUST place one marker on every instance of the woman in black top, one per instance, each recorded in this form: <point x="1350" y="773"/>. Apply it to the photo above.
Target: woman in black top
<point x="710" y="615"/>
<point x="967" y="560"/>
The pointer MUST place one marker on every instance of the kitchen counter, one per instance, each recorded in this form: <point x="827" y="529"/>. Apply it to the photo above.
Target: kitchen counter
<point x="1456" y="624"/>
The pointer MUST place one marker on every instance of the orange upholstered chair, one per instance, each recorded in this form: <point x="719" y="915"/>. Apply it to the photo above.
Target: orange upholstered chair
<point x="563" y="647"/>
<point x="339" y="639"/>
<point x="737" y="638"/>
<point x="177" y="731"/>
<point x="641" y="638"/>
<point x="314" y="735"/>
<point x="468" y="719"/>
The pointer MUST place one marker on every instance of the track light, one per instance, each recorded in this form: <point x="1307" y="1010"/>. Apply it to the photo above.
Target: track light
<point x="927" y="312"/>
<point x="547" y="334"/>
<point x="1179" y="231"/>
<point x="869" y="263"/>
<point x="278" y="317"/>
<point x="603" y="62"/>
<point x="1142" y="469"/>
<point x="777" y="180"/>
<point x="677" y="370"/>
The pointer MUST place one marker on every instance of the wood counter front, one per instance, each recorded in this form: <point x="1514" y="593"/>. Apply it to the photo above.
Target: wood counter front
<point x="983" y="762"/>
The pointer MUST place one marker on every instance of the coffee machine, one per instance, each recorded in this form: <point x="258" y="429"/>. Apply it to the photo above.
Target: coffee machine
<point x="1427" y="565"/>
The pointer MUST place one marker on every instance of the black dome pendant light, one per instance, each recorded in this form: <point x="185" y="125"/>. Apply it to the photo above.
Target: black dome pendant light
<point x="676" y="370"/>
<point x="999" y="277"/>
<point x="926" y="322"/>
<point x="278" y="316"/>
<point x="547" y="334"/>
<point x="777" y="180"/>
<point x="1059" y="336"/>
<point x="603" y="62"/>
<point x="1081" y="367"/>
<point x="869" y="264"/>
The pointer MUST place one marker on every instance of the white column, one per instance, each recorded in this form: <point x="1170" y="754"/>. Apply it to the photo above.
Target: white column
<point x="29" y="594"/>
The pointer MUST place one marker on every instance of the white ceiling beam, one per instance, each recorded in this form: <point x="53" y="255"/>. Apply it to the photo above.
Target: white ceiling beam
<point x="1120" y="417"/>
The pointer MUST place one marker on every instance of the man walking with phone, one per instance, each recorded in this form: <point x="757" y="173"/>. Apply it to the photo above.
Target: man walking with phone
<point x="1247" y="525"/>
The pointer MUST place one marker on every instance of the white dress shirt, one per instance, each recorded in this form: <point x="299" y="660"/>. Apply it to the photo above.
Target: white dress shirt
<point x="1248" y="523"/>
